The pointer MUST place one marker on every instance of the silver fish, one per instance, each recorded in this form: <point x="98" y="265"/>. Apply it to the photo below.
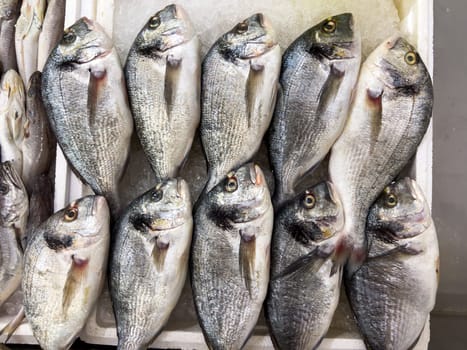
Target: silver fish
<point x="239" y="84"/>
<point x="163" y="78"/>
<point x="13" y="217"/>
<point x="52" y="30"/>
<point x="64" y="271"/>
<point x="28" y="27"/>
<point x="38" y="145"/>
<point x="84" y="94"/>
<point x="305" y="268"/>
<point x="389" y="115"/>
<point x="394" y="290"/>
<point x="12" y="119"/>
<point x="9" y="12"/>
<point x="319" y="71"/>
<point x="149" y="262"/>
<point x="230" y="257"/>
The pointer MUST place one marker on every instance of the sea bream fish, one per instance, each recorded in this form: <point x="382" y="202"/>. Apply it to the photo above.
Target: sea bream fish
<point x="306" y="269"/>
<point x="230" y="256"/>
<point x="13" y="217"/>
<point x="27" y="31"/>
<point x="238" y="92"/>
<point x="12" y="119"/>
<point x="64" y="271"/>
<point x="149" y="262"/>
<point x="52" y="30"/>
<point x="163" y="77"/>
<point x="388" y="117"/>
<point x="9" y="12"/>
<point x="319" y="71"/>
<point x="394" y="291"/>
<point x="85" y="97"/>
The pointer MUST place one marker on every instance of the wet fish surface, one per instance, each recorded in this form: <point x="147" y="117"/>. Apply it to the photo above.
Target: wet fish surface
<point x="389" y="115"/>
<point x="163" y="74"/>
<point x="64" y="270"/>
<point x="229" y="261"/>
<point x="238" y="92"/>
<point x="13" y="217"/>
<point x="84" y="94"/>
<point x="9" y="12"/>
<point x="28" y="28"/>
<point x="12" y="114"/>
<point x="52" y="30"/>
<point x="319" y="71"/>
<point x="305" y="268"/>
<point x="394" y="290"/>
<point x="149" y="262"/>
<point x="38" y="145"/>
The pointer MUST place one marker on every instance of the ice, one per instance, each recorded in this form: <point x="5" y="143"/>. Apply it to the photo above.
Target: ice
<point x="377" y="20"/>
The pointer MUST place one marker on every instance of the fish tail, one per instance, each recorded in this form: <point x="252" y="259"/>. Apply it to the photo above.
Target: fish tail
<point x="11" y="326"/>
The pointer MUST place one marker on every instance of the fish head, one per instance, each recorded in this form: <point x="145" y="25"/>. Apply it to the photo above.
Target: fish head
<point x="164" y="207"/>
<point x="83" y="42"/>
<point x="82" y="223"/>
<point x="248" y="39"/>
<point x="334" y="38"/>
<point x="168" y="28"/>
<point x="315" y="215"/>
<point x="9" y="10"/>
<point x="242" y="197"/>
<point x="13" y="195"/>
<point x="400" y="211"/>
<point x="399" y="65"/>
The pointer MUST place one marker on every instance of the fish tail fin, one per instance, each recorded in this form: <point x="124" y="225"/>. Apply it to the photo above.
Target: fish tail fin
<point x="11" y="326"/>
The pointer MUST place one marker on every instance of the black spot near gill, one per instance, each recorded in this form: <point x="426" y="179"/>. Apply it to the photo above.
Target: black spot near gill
<point x="221" y="217"/>
<point x="141" y="222"/>
<point x="304" y="232"/>
<point x="409" y="90"/>
<point x="56" y="242"/>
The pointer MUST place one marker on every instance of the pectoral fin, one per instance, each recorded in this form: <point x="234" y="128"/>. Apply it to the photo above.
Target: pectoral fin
<point x="247" y="256"/>
<point x="11" y="326"/>
<point x="330" y="89"/>
<point x="172" y="76"/>
<point x="75" y="277"/>
<point x="254" y="80"/>
<point x="159" y="252"/>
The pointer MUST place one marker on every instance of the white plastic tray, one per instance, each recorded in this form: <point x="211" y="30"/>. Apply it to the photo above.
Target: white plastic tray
<point x="182" y="330"/>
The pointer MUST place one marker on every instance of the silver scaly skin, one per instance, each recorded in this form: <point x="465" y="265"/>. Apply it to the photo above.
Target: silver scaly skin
<point x="389" y="115"/>
<point x="27" y="31"/>
<point x="163" y="76"/>
<point x="230" y="257"/>
<point x="239" y="85"/>
<point x="84" y="93"/>
<point x="394" y="290"/>
<point x="13" y="217"/>
<point x="305" y="268"/>
<point x="149" y="262"/>
<point x="9" y="12"/>
<point x="12" y="119"/>
<point x="64" y="271"/>
<point x="52" y="30"/>
<point x="319" y="71"/>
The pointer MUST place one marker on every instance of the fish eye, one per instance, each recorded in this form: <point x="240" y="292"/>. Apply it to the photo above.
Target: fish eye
<point x="391" y="200"/>
<point x="309" y="201"/>
<point x="231" y="184"/>
<point x="69" y="38"/>
<point x="8" y="14"/>
<point x="241" y="28"/>
<point x="4" y="188"/>
<point x="71" y="214"/>
<point x="410" y="58"/>
<point x="154" y="22"/>
<point x="156" y="195"/>
<point x="330" y="26"/>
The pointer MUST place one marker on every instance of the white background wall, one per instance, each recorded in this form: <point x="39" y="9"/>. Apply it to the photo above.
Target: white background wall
<point x="449" y="323"/>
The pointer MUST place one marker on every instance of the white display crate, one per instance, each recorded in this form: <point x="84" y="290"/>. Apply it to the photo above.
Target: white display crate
<point x="182" y="330"/>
